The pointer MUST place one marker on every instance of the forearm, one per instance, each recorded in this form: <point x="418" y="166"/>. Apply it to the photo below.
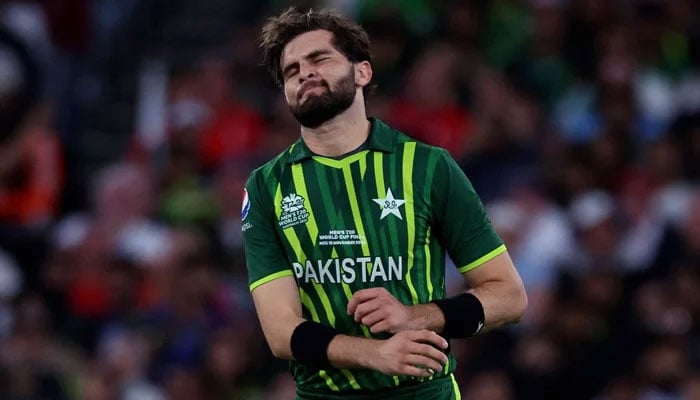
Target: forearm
<point x="498" y="287"/>
<point x="413" y="352"/>
<point x="343" y="351"/>
<point x="352" y="352"/>
<point x="279" y="336"/>
<point x="427" y="316"/>
<point x="503" y="303"/>
<point x="488" y="305"/>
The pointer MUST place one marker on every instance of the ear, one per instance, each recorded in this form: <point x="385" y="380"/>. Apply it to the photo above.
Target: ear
<point x="363" y="73"/>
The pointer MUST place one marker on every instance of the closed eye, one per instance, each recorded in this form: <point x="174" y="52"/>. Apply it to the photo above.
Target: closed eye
<point x="290" y="71"/>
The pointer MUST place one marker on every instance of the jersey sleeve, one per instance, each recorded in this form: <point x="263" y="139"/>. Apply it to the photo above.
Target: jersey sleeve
<point x="265" y="256"/>
<point x="459" y="217"/>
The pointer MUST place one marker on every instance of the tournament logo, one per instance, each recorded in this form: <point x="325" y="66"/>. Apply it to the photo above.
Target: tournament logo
<point x="293" y="211"/>
<point x="246" y="205"/>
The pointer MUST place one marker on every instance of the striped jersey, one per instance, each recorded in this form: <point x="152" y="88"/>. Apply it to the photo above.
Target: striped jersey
<point x="383" y="216"/>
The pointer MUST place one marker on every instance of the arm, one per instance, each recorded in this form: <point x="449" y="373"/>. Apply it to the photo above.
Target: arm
<point x="279" y="310"/>
<point x="462" y="226"/>
<point x="495" y="283"/>
<point x="498" y="287"/>
<point x="377" y="309"/>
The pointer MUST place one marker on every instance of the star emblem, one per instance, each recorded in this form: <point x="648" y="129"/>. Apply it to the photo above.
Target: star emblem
<point x="389" y="205"/>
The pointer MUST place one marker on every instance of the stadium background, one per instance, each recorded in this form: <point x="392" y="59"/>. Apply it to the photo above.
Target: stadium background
<point x="129" y="126"/>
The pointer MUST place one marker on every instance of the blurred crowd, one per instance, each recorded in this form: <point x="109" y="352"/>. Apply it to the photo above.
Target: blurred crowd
<point x="578" y="123"/>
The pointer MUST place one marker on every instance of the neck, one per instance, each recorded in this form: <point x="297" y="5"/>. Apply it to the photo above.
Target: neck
<point x="341" y="134"/>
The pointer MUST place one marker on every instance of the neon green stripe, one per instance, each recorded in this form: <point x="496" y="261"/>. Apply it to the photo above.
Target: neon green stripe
<point x="296" y="245"/>
<point x="379" y="174"/>
<point x="289" y="232"/>
<point x="340" y="163"/>
<point x="409" y="156"/>
<point x="357" y="218"/>
<point x="278" y="199"/>
<point x="351" y="379"/>
<point x="300" y="186"/>
<point x="428" y="265"/>
<point x="329" y="381"/>
<point x="455" y="386"/>
<point x="348" y="294"/>
<point x="325" y="301"/>
<point x="481" y="260"/>
<point x="306" y="300"/>
<point x="396" y="381"/>
<point x="269" y="278"/>
<point x="363" y="167"/>
<point x="293" y="240"/>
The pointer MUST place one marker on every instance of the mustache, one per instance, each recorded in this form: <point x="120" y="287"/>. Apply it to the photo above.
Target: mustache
<point x="310" y="85"/>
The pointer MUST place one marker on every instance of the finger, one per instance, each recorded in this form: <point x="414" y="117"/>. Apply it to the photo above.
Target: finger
<point x="423" y="362"/>
<point x="365" y="309"/>
<point x="381" y="326"/>
<point x="429" y="337"/>
<point x="372" y="318"/>
<point x="360" y="297"/>
<point x="429" y="351"/>
<point x="412" y="370"/>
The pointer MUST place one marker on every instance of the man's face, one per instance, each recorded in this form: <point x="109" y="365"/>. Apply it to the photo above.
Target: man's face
<point x="319" y="81"/>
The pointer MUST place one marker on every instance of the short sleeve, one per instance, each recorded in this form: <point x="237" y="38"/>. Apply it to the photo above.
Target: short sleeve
<point x="459" y="217"/>
<point x="265" y="256"/>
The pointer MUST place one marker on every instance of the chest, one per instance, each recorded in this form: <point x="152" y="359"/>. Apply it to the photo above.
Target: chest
<point x="364" y="208"/>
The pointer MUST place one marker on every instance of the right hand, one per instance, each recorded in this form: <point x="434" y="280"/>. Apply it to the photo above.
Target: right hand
<point x="414" y="353"/>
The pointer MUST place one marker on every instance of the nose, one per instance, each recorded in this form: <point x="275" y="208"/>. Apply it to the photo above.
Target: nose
<point x="306" y="72"/>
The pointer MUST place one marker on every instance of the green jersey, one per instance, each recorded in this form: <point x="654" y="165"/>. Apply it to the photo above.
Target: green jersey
<point x="380" y="217"/>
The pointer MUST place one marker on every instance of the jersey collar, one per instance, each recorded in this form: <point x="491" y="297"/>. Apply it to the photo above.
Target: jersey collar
<point x="381" y="138"/>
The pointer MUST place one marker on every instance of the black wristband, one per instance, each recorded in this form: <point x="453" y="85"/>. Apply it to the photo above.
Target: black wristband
<point x="309" y="344"/>
<point x="464" y="315"/>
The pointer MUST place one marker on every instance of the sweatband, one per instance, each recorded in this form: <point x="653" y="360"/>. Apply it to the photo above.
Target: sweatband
<point x="464" y="315"/>
<point x="310" y="342"/>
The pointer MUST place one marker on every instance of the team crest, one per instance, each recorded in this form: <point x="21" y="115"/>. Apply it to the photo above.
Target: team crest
<point x="293" y="211"/>
<point x="390" y="205"/>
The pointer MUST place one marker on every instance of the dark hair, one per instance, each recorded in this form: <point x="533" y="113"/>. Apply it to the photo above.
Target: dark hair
<point x="348" y="37"/>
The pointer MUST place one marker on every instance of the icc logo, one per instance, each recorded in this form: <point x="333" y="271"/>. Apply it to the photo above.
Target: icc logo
<point x="292" y="202"/>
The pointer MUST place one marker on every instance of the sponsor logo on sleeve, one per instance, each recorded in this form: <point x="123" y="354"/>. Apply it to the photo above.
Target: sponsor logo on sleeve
<point x="246" y="205"/>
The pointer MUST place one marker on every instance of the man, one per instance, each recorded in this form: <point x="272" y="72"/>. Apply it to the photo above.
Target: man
<point x="346" y="232"/>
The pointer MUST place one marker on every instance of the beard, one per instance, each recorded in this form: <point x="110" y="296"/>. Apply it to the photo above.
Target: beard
<point x="318" y="109"/>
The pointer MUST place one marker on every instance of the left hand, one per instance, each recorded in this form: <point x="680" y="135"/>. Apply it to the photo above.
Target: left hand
<point x="377" y="309"/>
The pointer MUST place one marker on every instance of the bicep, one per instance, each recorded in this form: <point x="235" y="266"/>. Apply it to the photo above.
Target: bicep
<point x="498" y="286"/>
<point x="277" y="301"/>
<point x="459" y="217"/>
<point x="498" y="269"/>
<point x="279" y="311"/>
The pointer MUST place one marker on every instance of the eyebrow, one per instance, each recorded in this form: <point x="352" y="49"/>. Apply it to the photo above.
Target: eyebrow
<point x="309" y="56"/>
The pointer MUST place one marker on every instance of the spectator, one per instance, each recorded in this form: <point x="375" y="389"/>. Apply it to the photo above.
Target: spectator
<point x="431" y="96"/>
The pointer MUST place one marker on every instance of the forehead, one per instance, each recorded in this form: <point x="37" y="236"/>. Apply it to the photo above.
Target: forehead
<point x="307" y="42"/>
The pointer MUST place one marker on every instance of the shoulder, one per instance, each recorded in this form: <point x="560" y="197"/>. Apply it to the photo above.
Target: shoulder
<point x="403" y="139"/>
<point x="271" y="171"/>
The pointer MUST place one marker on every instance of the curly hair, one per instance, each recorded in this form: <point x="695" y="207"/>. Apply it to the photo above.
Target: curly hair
<point x="348" y="37"/>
